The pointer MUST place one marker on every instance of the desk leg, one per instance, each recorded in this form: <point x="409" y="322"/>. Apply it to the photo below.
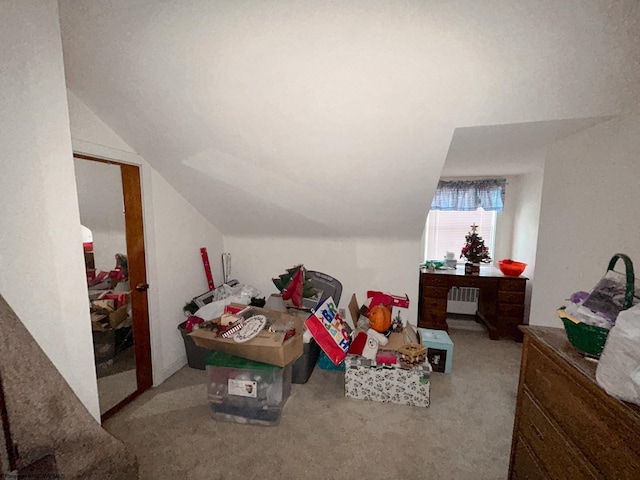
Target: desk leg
<point x="491" y="329"/>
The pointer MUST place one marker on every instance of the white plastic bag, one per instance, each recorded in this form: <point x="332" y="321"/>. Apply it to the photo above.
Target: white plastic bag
<point x="618" y="371"/>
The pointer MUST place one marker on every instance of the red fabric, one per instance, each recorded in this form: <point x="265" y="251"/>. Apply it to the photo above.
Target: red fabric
<point x="387" y="300"/>
<point x="358" y="343"/>
<point x="191" y="321"/>
<point x="293" y="291"/>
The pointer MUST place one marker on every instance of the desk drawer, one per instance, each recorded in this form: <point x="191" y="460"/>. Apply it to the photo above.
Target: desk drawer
<point x="510" y="326"/>
<point x="507" y="296"/>
<point x="512" y="285"/>
<point x="510" y="310"/>
<point x="433" y="313"/>
<point x="434" y="292"/>
<point x="437" y="305"/>
<point x="605" y="440"/>
<point x="435" y="280"/>
<point x="549" y="445"/>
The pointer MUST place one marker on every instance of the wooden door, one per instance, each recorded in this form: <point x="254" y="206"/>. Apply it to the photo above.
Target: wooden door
<point x="133" y="213"/>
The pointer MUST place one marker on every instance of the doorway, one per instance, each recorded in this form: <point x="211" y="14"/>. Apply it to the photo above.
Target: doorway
<point x="110" y="201"/>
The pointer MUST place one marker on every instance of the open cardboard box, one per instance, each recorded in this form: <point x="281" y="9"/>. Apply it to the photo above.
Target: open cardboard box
<point x="396" y="339"/>
<point x="265" y="347"/>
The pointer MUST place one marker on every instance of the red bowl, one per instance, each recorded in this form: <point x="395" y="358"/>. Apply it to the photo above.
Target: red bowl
<point x="511" y="268"/>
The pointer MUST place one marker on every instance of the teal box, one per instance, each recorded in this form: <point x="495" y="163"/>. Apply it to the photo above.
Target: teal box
<point x="439" y="349"/>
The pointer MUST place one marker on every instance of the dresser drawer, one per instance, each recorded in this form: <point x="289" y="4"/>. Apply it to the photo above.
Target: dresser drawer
<point x="604" y="438"/>
<point x="526" y="466"/>
<point x="555" y="453"/>
<point x="512" y="285"/>
<point x="506" y="296"/>
<point x="434" y="292"/>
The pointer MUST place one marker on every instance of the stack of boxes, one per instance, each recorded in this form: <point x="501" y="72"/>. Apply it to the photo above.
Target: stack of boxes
<point x="250" y="382"/>
<point x="245" y="391"/>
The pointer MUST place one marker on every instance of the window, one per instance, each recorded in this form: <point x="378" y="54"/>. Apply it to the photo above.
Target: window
<point x="446" y="231"/>
<point x="455" y="207"/>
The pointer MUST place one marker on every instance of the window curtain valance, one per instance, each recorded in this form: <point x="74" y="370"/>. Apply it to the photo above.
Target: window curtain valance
<point x="470" y="195"/>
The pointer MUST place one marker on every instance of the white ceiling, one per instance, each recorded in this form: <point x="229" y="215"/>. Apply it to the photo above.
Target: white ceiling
<point x="310" y="118"/>
<point x="513" y="149"/>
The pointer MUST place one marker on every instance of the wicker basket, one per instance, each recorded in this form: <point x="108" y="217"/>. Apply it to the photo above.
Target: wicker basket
<point x="589" y="339"/>
<point x="412" y="354"/>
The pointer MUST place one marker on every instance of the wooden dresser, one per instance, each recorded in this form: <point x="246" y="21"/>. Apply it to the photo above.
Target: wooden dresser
<point x="566" y="426"/>
<point x="500" y="302"/>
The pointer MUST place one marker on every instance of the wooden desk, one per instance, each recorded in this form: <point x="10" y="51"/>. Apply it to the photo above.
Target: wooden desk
<point x="500" y="302"/>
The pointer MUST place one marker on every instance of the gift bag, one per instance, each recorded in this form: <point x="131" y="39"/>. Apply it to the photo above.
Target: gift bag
<point x="329" y="330"/>
<point x="618" y="371"/>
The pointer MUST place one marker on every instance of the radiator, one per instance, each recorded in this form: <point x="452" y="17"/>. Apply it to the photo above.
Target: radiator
<point x="462" y="300"/>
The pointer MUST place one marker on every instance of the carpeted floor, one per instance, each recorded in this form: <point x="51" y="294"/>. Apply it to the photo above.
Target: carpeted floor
<point x="115" y="388"/>
<point x="464" y="434"/>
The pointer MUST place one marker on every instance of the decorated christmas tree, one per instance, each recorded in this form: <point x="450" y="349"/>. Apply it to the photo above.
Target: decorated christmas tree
<point x="474" y="249"/>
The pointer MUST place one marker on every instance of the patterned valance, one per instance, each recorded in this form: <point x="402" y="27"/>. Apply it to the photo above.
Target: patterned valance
<point x="470" y="195"/>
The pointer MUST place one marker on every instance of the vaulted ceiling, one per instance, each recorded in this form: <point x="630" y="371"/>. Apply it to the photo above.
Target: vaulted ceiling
<point x="338" y="117"/>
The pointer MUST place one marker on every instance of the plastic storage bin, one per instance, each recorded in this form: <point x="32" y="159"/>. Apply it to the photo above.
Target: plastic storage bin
<point x="244" y="391"/>
<point x="196" y="356"/>
<point x="302" y="368"/>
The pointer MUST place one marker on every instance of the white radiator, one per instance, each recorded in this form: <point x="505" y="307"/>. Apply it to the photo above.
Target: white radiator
<point x="462" y="300"/>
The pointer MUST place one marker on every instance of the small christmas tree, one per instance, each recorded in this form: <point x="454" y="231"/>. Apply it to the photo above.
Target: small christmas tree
<point x="474" y="249"/>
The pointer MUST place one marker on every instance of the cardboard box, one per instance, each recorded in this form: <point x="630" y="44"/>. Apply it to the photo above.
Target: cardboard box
<point x="364" y="380"/>
<point x="265" y="347"/>
<point x="439" y="349"/>
<point x="120" y="298"/>
<point x="118" y="316"/>
<point x="396" y="339"/>
<point x="107" y="303"/>
<point x="99" y="322"/>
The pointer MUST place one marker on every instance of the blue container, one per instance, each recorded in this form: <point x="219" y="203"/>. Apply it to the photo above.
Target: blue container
<point x="439" y="349"/>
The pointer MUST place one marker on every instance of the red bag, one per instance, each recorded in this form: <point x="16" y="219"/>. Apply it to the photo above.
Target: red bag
<point x="329" y="330"/>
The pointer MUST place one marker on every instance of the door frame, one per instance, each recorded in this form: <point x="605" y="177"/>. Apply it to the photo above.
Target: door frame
<point x="136" y="256"/>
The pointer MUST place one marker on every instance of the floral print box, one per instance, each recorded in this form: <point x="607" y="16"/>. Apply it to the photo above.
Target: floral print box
<point x="366" y="380"/>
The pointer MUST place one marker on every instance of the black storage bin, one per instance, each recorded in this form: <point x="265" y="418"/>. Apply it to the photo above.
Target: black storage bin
<point x="196" y="356"/>
<point x="303" y="367"/>
<point x="104" y="346"/>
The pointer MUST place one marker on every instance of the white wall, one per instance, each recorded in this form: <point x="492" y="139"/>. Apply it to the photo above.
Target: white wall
<point x="526" y="218"/>
<point x="589" y="211"/>
<point x="174" y="233"/>
<point x="101" y="205"/>
<point x="359" y="264"/>
<point x="525" y="228"/>
<point x="41" y="264"/>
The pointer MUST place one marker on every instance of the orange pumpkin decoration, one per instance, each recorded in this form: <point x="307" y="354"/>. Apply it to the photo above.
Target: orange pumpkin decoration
<point x="380" y="318"/>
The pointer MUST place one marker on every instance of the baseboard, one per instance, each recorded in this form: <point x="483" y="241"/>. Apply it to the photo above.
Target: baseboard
<point x="170" y="370"/>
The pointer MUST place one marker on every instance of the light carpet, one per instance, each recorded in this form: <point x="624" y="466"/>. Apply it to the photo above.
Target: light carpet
<point x="464" y="434"/>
